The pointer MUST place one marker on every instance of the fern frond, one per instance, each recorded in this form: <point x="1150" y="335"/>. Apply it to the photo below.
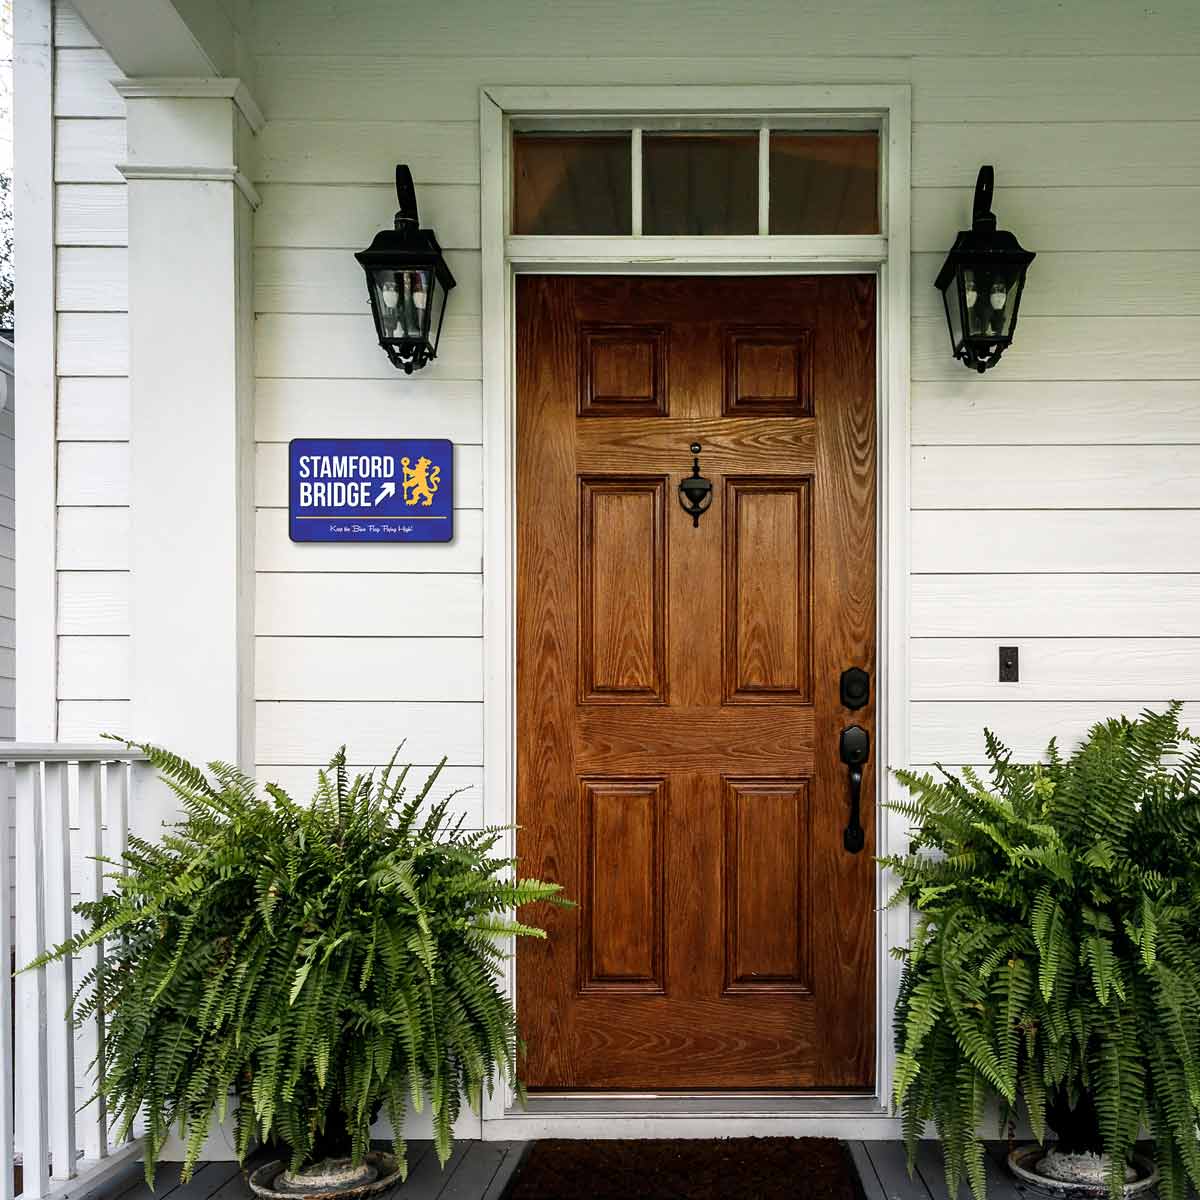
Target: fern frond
<point x="1059" y="934"/>
<point x="316" y="963"/>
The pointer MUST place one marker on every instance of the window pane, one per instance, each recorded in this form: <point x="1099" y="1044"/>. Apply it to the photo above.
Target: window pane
<point x="824" y="183"/>
<point x="572" y="183"/>
<point x="700" y="183"/>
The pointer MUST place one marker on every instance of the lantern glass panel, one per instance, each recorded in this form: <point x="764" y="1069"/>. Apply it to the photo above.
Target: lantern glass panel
<point x="990" y="294"/>
<point x="952" y="296"/>
<point x="404" y="301"/>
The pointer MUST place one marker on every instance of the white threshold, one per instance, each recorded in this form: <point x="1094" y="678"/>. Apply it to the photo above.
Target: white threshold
<point x="667" y="1104"/>
<point x="853" y="1118"/>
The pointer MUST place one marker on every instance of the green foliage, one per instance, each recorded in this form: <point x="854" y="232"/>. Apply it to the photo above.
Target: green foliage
<point x="1057" y="946"/>
<point x="316" y="963"/>
<point x="7" y="245"/>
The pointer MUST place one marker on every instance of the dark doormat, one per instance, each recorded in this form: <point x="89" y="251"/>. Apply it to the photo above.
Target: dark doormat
<point x="686" y="1169"/>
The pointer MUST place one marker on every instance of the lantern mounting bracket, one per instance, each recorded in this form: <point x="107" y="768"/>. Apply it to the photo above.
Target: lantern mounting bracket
<point x="983" y="220"/>
<point x="406" y="199"/>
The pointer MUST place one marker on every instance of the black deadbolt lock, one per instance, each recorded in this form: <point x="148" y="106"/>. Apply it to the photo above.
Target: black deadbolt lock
<point x="856" y="688"/>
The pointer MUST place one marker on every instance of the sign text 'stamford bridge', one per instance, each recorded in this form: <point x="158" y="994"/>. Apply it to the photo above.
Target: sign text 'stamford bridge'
<point x="371" y="490"/>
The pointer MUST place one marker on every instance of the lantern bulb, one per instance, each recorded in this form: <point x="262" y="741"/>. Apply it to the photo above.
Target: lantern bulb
<point x="390" y="294"/>
<point x="970" y="291"/>
<point x="999" y="296"/>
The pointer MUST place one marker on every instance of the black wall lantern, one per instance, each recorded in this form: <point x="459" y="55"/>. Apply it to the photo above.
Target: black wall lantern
<point x="981" y="283"/>
<point x="407" y="279"/>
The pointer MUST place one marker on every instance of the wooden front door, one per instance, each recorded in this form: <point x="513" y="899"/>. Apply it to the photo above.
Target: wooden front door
<point x="678" y="704"/>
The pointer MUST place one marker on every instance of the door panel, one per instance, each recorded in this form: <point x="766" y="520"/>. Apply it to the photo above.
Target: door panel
<point x="677" y="685"/>
<point x="768" y="590"/>
<point x="622" y="590"/>
<point x="621" y="935"/>
<point x="767" y="885"/>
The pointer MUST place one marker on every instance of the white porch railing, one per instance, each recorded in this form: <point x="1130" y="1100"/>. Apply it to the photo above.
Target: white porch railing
<point x="69" y="805"/>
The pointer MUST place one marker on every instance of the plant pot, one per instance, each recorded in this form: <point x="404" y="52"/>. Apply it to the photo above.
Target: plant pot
<point x="327" y="1179"/>
<point x="1077" y="1176"/>
<point x="1075" y="1164"/>
<point x="1076" y="1126"/>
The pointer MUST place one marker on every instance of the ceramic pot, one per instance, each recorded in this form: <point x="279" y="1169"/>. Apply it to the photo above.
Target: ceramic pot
<point x="327" y="1179"/>
<point x="1077" y="1176"/>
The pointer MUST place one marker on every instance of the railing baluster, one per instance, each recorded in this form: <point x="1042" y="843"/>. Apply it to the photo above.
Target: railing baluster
<point x="38" y="1118"/>
<point x="119" y="775"/>
<point x="7" y="1144"/>
<point x="31" y="985"/>
<point x="60" y="1032"/>
<point x="91" y="1035"/>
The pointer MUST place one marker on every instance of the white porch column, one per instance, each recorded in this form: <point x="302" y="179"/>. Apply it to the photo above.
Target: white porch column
<point x="191" y="433"/>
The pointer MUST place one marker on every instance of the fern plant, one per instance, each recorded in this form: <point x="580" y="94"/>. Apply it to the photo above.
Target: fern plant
<point x="1056" y="956"/>
<point x="314" y="963"/>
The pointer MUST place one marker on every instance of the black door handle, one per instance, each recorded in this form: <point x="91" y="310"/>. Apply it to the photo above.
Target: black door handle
<point x="855" y="748"/>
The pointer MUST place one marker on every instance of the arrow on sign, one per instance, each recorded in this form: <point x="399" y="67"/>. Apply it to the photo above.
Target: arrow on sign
<point x="388" y="489"/>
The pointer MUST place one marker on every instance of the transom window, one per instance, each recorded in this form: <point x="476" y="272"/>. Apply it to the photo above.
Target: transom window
<point x="695" y="182"/>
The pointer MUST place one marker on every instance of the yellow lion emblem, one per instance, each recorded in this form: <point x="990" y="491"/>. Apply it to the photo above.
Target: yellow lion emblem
<point x="420" y="483"/>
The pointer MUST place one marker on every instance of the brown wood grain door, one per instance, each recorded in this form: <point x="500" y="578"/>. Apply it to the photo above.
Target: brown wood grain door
<point x="678" y="708"/>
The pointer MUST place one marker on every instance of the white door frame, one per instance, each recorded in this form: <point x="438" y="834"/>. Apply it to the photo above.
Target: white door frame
<point x="887" y="107"/>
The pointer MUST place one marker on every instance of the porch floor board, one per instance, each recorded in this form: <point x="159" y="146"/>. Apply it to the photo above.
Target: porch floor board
<point x="483" y="1170"/>
<point x="476" y="1171"/>
<point x="883" y="1169"/>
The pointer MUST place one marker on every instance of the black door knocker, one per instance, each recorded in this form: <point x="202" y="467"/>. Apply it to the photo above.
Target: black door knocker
<point x="695" y="492"/>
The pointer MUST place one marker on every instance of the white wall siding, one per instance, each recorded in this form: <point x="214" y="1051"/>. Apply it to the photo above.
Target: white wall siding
<point x="309" y="732"/>
<point x="953" y="732"/>
<point x="1122" y="670"/>
<point x="91" y="289"/>
<point x="1056" y="500"/>
<point x="701" y="29"/>
<point x="308" y="604"/>
<point x="1018" y="606"/>
<point x="91" y="215"/>
<point x="369" y="645"/>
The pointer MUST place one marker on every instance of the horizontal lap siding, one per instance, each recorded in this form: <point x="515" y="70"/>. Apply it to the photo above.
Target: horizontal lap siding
<point x="375" y="646"/>
<point x="701" y="30"/>
<point x="1056" y="501"/>
<point x="91" y="286"/>
<point x="372" y="645"/>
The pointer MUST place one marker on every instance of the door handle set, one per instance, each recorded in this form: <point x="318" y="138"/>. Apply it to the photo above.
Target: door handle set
<point x="855" y="748"/>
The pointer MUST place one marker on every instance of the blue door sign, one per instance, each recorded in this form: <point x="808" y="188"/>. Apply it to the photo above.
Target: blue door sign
<point x="371" y="490"/>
